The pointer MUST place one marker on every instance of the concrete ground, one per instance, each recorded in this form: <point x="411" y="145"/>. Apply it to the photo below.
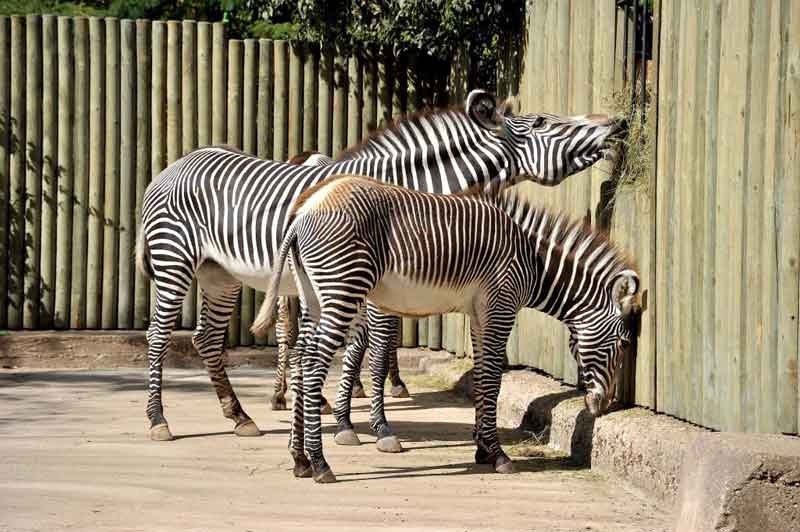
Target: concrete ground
<point x="74" y="456"/>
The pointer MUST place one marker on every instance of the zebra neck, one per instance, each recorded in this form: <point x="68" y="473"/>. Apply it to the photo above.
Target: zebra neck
<point x="443" y="153"/>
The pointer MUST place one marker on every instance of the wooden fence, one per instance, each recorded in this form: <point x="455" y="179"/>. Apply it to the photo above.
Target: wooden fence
<point x="92" y="108"/>
<point x="716" y="229"/>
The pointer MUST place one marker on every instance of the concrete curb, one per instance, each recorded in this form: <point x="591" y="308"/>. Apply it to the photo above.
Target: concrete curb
<point x="690" y="469"/>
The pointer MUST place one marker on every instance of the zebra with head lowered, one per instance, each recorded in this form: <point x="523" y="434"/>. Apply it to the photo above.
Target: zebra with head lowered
<point x="217" y="214"/>
<point x="414" y="254"/>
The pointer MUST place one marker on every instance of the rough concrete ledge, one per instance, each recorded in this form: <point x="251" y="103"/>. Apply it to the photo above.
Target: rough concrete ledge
<point x="111" y="349"/>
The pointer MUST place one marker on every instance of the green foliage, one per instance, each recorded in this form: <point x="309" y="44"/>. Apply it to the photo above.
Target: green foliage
<point x="263" y="29"/>
<point x="41" y="7"/>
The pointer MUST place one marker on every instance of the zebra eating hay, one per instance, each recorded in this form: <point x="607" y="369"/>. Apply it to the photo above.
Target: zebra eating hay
<point x="217" y="214"/>
<point x="414" y="254"/>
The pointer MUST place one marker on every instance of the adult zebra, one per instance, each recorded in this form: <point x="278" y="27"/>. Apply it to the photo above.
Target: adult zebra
<point x="218" y="214"/>
<point x="411" y="253"/>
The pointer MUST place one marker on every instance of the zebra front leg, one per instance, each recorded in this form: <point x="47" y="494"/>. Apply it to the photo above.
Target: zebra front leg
<point x="383" y="337"/>
<point x="209" y="340"/>
<point x="302" y="466"/>
<point x="489" y="349"/>
<point x="351" y="368"/>
<point x="286" y="334"/>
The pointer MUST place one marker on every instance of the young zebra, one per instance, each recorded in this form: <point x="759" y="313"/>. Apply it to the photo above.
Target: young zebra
<point x="217" y="214"/>
<point x="410" y="253"/>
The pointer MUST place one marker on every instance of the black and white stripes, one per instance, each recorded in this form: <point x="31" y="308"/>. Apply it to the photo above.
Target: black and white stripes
<point x="410" y="253"/>
<point x="218" y="214"/>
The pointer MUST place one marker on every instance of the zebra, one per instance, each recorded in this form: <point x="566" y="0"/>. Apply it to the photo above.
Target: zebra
<point x="414" y="253"/>
<point x="217" y="214"/>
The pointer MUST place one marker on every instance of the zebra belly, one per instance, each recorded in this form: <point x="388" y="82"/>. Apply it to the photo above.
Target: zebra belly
<point x="395" y="294"/>
<point x="257" y="278"/>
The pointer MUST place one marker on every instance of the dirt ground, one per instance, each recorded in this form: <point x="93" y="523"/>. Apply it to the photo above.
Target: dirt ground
<point x="74" y="456"/>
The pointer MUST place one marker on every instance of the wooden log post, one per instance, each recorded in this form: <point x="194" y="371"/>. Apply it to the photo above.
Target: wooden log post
<point x="325" y="94"/>
<point x="5" y="152"/>
<point x="144" y="88"/>
<point x="339" y="119"/>
<point x="127" y="174"/>
<point x="219" y="84"/>
<point x="158" y="102"/>
<point x="280" y="147"/>
<point x="435" y="332"/>
<point x="188" y="89"/>
<point x="16" y="176"/>
<point x="354" y="100"/>
<point x="80" y="212"/>
<point x="295" y="100"/>
<point x="33" y="174"/>
<point x="369" y="118"/>
<point x="109" y="212"/>
<point x="204" y="83"/>
<point x="49" y="179"/>
<point x="64" y="174"/>
<point x="310" y="85"/>
<point x="249" y="126"/>
<point x="235" y="59"/>
<point x="264" y="129"/>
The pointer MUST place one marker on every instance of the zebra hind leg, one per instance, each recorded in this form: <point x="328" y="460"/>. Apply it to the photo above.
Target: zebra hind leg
<point x="398" y="388"/>
<point x="220" y="295"/>
<point x="383" y="337"/>
<point x="286" y="333"/>
<point x="351" y="368"/>
<point x="170" y="292"/>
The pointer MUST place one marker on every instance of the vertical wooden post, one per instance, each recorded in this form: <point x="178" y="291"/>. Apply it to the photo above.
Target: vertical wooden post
<point x="189" y="135"/>
<point x="264" y="123"/>
<point x="354" y="100"/>
<point x="204" y="83"/>
<point x="219" y="107"/>
<point x="385" y="80"/>
<point x="127" y="173"/>
<point x="16" y="176"/>
<point x="422" y="332"/>
<point x="49" y="178"/>
<point x="435" y="332"/>
<point x="310" y="84"/>
<point x="249" y="116"/>
<point x="295" y="100"/>
<point x="97" y="139"/>
<point x="281" y="123"/>
<point x="5" y="149"/>
<point x="109" y="212"/>
<point x="80" y="212"/>
<point x="235" y="139"/>
<point x="158" y="105"/>
<point x="144" y="75"/>
<point x="325" y="100"/>
<point x="64" y="175"/>
<point x="339" y="125"/>
<point x="33" y="174"/>
<point x="369" y="119"/>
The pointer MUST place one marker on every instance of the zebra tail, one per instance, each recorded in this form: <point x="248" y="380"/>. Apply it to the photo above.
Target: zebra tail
<point x="266" y="314"/>
<point x="143" y="255"/>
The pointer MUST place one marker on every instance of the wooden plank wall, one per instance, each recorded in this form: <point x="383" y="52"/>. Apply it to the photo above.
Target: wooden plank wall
<point x="716" y="233"/>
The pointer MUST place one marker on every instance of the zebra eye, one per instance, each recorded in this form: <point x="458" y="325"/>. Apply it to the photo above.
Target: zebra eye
<point x="537" y="122"/>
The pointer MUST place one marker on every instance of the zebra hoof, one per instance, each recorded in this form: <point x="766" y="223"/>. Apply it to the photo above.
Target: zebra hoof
<point x="302" y="468"/>
<point x="325" y="476"/>
<point x="347" y="437"/>
<point x="400" y="391"/>
<point x="160" y="432"/>
<point x="326" y="409"/>
<point x="389" y="444"/>
<point x="504" y="465"/>
<point x="278" y="402"/>
<point x="247" y="428"/>
<point x="358" y="392"/>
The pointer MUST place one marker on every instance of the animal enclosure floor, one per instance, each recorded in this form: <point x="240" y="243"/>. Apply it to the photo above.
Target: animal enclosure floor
<point x="74" y="456"/>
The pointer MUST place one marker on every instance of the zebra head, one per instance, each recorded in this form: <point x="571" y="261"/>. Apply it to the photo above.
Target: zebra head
<point x="600" y="339"/>
<point x="547" y="148"/>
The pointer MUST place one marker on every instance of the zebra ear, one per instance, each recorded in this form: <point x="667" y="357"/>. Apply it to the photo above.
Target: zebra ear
<point x="507" y="108"/>
<point x="623" y="291"/>
<point x="482" y="108"/>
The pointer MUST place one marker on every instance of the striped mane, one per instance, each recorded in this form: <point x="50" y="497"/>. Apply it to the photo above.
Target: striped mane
<point x="404" y="123"/>
<point x="543" y="225"/>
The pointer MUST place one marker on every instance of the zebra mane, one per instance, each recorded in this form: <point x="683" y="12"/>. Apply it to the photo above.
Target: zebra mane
<point x="544" y="224"/>
<point x="398" y="125"/>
